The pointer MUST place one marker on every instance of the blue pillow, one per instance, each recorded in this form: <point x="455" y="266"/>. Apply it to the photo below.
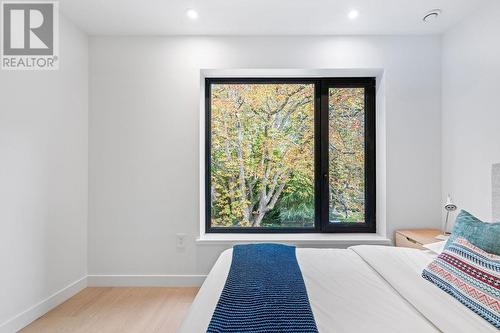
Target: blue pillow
<point x="484" y="235"/>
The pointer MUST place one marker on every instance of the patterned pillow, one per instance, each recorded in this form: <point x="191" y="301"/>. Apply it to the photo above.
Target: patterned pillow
<point x="482" y="234"/>
<point x="471" y="275"/>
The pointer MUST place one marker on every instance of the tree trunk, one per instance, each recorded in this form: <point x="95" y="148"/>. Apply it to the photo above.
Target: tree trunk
<point x="258" y="219"/>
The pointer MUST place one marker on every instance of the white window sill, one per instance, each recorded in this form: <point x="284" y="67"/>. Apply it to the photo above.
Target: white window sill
<point x="297" y="239"/>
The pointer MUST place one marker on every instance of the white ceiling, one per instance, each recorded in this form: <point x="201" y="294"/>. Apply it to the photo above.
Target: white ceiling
<point x="264" y="17"/>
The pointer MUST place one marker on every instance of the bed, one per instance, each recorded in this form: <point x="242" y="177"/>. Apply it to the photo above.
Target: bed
<point x="360" y="289"/>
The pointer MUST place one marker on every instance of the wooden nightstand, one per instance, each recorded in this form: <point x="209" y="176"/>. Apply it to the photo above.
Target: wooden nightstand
<point x="415" y="238"/>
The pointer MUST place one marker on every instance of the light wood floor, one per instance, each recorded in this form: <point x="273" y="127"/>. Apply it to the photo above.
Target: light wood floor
<point x="123" y="310"/>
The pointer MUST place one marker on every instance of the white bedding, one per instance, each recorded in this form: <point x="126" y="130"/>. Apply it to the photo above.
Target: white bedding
<point x="360" y="289"/>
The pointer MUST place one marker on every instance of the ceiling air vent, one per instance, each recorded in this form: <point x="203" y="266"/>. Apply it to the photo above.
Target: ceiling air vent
<point x="432" y="15"/>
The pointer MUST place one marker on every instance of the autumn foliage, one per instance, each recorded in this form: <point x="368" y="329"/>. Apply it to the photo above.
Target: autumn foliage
<point x="262" y="155"/>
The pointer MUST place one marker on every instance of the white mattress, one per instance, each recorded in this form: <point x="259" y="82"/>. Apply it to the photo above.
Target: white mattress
<point x="360" y="289"/>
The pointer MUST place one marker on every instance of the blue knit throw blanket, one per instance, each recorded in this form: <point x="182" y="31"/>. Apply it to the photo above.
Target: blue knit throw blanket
<point x="264" y="293"/>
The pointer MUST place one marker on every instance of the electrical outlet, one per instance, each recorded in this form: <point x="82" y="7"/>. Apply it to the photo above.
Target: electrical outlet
<point x="181" y="240"/>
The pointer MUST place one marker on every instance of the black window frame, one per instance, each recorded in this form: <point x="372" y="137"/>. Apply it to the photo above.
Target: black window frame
<point x="321" y="159"/>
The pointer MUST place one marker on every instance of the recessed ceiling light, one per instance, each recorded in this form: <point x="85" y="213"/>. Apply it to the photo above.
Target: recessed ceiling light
<point x="353" y="14"/>
<point x="192" y="14"/>
<point x="432" y="15"/>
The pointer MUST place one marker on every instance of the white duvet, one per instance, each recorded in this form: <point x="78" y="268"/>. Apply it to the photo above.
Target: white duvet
<point x="360" y="289"/>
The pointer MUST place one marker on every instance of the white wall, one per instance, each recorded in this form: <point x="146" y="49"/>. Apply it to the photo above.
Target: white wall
<point x="471" y="113"/>
<point x="43" y="179"/>
<point x="144" y="136"/>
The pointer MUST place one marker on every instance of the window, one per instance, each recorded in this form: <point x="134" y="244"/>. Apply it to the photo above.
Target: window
<point x="290" y="155"/>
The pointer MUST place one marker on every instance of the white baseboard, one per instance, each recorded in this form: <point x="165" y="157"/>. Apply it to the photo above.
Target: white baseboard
<point x="145" y="280"/>
<point x="25" y="318"/>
